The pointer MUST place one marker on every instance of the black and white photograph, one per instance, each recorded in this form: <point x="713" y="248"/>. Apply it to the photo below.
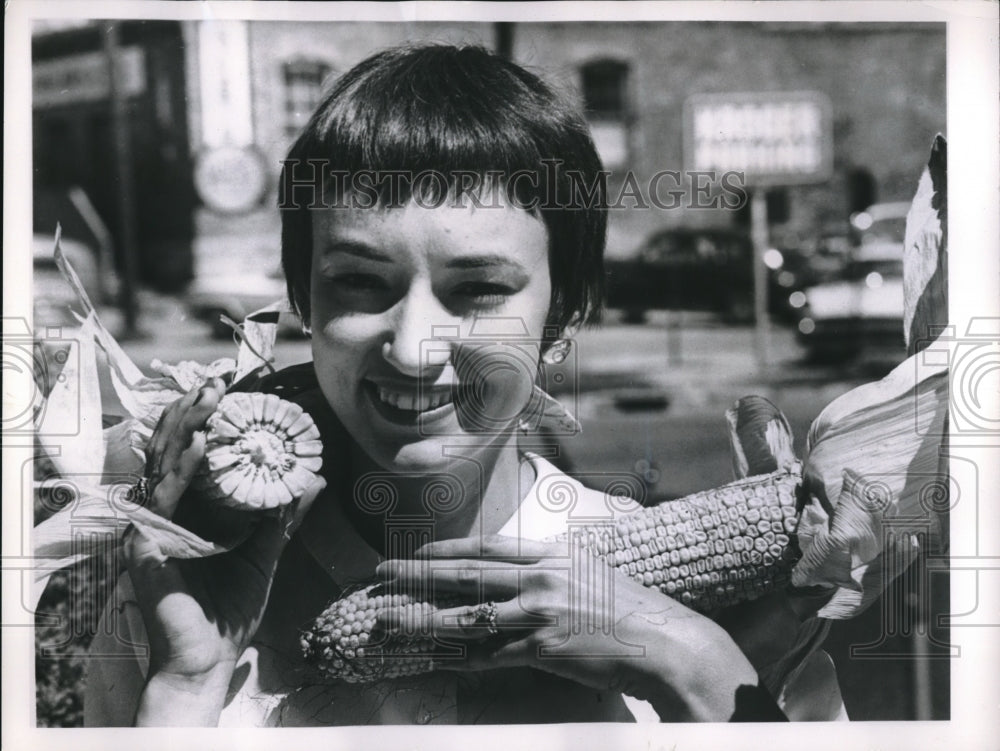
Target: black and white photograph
<point x="597" y="373"/>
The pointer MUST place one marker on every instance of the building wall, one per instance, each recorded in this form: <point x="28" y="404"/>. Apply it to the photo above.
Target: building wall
<point x="74" y="142"/>
<point x="886" y="83"/>
<point x="341" y="46"/>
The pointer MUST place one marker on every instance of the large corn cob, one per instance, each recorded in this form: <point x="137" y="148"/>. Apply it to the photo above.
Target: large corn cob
<point x="708" y="550"/>
<point x="711" y="549"/>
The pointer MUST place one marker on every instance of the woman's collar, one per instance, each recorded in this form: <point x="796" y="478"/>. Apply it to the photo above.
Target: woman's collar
<point x="334" y="542"/>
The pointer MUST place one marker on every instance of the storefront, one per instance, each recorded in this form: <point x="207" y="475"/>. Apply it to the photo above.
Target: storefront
<point x="74" y="146"/>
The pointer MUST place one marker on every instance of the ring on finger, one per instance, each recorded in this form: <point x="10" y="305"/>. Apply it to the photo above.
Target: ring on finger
<point x="140" y="492"/>
<point x="485" y="614"/>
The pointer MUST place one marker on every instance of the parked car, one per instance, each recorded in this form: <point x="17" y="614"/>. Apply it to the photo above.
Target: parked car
<point x="236" y="295"/>
<point x="819" y="260"/>
<point x="863" y="307"/>
<point x="691" y="269"/>
<point x="879" y="230"/>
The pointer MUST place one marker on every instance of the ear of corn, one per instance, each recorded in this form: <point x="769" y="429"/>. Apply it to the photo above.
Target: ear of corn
<point x="342" y="643"/>
<point x="708" y="550"/>
<point x="711" y="549"/>
<point x="261" y="452"/>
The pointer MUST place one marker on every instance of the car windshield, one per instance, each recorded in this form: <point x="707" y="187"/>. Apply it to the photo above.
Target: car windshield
<point x="673" y="248"/>
<point x="888" y="230"/>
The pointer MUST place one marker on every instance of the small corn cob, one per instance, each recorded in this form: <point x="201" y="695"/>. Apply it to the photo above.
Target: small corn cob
<point x="342" y="645"/>
<point x="708" y="550"/>
<point x="261" y="452"/>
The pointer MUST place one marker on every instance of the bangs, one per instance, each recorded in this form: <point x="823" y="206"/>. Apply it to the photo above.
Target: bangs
<point x="435" y="123"/>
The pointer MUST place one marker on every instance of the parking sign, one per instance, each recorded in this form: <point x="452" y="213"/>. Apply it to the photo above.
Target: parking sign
<point x="773" y="138"/>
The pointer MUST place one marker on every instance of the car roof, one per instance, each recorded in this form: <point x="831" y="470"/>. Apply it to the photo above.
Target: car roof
<point x="893" y="210"/>
<point x="720" y="232"/>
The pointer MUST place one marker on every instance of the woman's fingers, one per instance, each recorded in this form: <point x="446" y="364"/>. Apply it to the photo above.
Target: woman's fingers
<point x="168" y="490"/>
<point x="465" y="623"/>
<point x="177" y="446"/>
<point x="470" y="578"/>
<point x="191" y="418"/>
<point x="493" y="654"/>
<point x="493" y="547"/>
<point x="164" y="431"/>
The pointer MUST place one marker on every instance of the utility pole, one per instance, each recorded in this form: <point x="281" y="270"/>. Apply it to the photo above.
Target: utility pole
<point x="123" y="174"/>
<point x="503" y="33"/>
<point x="761" y="239"/>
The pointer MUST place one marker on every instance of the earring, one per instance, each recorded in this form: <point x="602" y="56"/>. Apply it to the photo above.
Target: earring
<point x="558" y="352"/>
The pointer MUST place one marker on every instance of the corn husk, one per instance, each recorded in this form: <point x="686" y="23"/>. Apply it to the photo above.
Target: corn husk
<point x="925" y="254"/>
<point x="875" y="471"/>
<point x="547" y="413"/>
<point x="760" y="438"/>
<point x="872" y="465"/>
<point x="189" y="374"/>
<point x="95" y="467"/>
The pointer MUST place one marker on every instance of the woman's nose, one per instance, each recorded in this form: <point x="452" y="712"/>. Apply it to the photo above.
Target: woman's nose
<point x="422" y="333"/>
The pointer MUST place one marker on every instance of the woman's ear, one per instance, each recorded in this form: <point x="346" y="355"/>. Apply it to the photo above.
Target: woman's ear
<point x="557" y="351"/>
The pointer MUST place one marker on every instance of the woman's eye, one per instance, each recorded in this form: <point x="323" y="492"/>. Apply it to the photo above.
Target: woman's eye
<point x="483" y="293"/>
<point x="360" y="282"/>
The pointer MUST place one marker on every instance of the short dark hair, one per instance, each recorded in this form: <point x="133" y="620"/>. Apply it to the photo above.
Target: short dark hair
<point x="457" y="110"/>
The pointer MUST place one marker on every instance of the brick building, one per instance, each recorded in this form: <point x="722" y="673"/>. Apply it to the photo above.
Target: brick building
<point x="250" y="87"/>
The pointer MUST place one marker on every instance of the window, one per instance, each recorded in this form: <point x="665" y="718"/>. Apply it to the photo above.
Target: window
<point x="303" y="89"/>
<point x="605" y="99"/>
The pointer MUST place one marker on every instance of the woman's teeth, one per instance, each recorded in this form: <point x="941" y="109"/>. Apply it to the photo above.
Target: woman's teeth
<point x="414" y="402"/>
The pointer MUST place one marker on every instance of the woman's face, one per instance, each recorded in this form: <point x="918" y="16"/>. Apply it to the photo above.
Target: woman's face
<point x="426" y="324"/>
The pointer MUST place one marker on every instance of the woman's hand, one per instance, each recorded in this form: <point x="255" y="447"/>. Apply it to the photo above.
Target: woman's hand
<point x="565" y="612"/>
<point x="200" y="614"/>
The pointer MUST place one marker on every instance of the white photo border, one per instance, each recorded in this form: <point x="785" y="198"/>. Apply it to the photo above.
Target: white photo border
<point x="974" y="233"/>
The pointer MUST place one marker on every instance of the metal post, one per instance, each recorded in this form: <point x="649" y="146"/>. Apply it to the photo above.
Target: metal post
<point x="760" y="236"/>
<point x="674" y="329"/>
<point x="504" y="33"/>
<point x="123" y="174"/>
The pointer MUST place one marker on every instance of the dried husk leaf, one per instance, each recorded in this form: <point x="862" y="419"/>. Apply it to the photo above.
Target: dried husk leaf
<point x="257" y="335"/>
<point x="925" y="254"/>
<point x="190" y="374"/>
<point x="69" y="427"/>
<point x="105" y="508"/>
<point x="760" y="438"/>
<point x="124" y="450"/>
<point x="871" y="466"/>
<point x="551" y="414"/>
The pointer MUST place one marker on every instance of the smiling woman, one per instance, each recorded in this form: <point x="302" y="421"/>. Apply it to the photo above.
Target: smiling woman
<point x="430" y="319"/>
<point x="384" y="281"/>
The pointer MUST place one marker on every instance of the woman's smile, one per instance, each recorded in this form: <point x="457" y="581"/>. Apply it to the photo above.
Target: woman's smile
<point x="413" y="405"/>
<point x="408" y="401"/>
